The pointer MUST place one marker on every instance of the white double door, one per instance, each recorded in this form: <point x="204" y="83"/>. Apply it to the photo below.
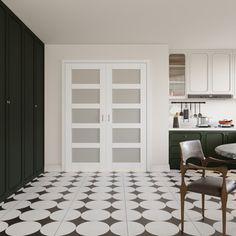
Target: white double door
<point x="105" y="116"/>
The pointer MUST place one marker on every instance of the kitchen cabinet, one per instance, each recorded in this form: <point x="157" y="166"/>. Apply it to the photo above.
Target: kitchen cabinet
<point x="198" y="79"/>
<point x="21" y="74"/>
<point x="13" y="96"/>
<point x="221" y="73"/>
<point x="2" y="102"/>
<point x="28" y="104"/>
<point x="39" y="105"/>
<point x="209" y="140"/>
<point x="177" y="76"/>
<point x="209" y="72"/>
<point x="201" y="72"/>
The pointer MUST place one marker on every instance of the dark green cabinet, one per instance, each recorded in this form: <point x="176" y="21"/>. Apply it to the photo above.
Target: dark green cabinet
<point x="209" y="140"/>
<point x="2" y="103"/>
<point x="13" y="113"/>
<point x="28" y="104"/>
<point x="21" y="104"/>
<point x="212" y="140"/>
<point x="39" y="106"/>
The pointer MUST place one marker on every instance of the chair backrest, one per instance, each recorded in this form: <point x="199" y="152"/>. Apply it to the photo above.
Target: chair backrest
<point x="190" y="149"/>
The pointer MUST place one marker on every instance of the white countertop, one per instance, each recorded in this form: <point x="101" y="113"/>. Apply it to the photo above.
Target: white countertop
<point x="202" y="129"/>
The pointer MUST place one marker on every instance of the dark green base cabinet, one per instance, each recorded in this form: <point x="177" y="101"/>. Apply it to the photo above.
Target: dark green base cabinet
<point x="21" y="104"/>
<point x="209" y="140"/>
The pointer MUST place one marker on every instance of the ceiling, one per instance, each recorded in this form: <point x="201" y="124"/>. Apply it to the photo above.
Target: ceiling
<point x="178" y="23"/>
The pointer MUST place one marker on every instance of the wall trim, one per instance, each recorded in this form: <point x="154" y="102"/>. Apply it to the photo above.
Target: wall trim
<point x="53" y="168"/>
<point x="160" y="168"/>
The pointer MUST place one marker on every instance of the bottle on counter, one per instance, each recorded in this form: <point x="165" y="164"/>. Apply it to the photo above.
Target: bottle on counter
<point x="176" y="120"/>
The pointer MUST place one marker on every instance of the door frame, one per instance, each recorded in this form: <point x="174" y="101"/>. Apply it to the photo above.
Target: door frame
<point x="64" y="111"/>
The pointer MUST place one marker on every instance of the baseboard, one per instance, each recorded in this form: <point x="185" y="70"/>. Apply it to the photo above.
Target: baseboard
<point x="152" y="168"/>
<point x="160" y="168"/>
<point x="52" y="168"/>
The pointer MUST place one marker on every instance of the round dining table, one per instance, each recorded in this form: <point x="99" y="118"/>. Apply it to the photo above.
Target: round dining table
<point x="227" y="150"/>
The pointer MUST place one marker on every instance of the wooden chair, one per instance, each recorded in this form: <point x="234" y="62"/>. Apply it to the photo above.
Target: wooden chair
<point x="213" y="186"/>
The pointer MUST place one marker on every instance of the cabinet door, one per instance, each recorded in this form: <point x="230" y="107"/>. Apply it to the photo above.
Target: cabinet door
<point x="28" y="115"/>
<point x="14" y="156"/>
<point x="221" y="73"/>
<point x="2" y="102"/>
<point x="212" y="141"/>
<point x="198" y="73"/>
<point x="231" y="137"/>
<point x="39" y="106"/>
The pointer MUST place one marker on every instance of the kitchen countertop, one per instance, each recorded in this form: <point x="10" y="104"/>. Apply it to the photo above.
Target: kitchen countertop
<point x="203" y="129"/>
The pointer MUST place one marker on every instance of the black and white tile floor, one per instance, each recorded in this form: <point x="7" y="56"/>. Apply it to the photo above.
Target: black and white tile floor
<point x="111" y="204"/>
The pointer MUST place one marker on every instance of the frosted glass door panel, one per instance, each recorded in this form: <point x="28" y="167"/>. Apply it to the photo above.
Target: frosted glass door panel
<point x="85" y="76"/>
<point x="129" y="135"/>
<point x="126" y="115"/>
<point x="126" y="95"/>
<point x="86" y="96"/>
<point x="85" y="135"/>
<point x="85" y="115"/>
<point x="86" y="155"/>
<point x="124" y="155"/>
<point x="125" y="76"/>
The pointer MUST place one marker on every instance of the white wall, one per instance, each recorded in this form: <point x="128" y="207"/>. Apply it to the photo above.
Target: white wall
<point x="157" y="94"/>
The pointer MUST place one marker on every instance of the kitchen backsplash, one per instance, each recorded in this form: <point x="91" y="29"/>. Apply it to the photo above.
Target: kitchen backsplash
<point x="215" y="110"/>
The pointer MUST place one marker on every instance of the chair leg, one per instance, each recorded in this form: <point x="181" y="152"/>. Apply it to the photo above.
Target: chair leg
<point x="224" y="205"/>
<point x="203" y="206"/>
<point x="183" y="193"/>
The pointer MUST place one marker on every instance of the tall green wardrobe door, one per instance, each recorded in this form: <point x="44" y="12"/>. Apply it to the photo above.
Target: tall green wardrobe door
<point x="2" y="103"/>
<point x="28" y="104"/>
<point x="13" y="82"/>
<point x="39" y="105"/>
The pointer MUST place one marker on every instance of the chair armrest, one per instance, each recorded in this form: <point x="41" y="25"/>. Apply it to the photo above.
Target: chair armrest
<point x="222" y="169"/>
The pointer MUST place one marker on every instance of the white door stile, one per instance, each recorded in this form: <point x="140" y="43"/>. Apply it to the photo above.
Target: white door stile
<point x="68" y="139"/>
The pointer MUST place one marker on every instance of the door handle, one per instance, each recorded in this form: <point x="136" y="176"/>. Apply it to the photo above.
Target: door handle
<point x="8" y="102"/>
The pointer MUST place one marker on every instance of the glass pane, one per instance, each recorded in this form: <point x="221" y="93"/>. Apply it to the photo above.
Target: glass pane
<point x="126" y="95"/>
<point x="85" y="96"/>
<point x="85" y="115"/>
<point x="86" y="135"/>
<point x="85" y="76"/>
<point x="177" y="59"/>
<point x="177" y="89"/>
<point x="126" y="135"/>
<point x="177" y="74"/>
<point x="85" y="155"/>
<point x="126" y="115"/>
<point x="126" y="76"/>
<point x="126" y="155"/>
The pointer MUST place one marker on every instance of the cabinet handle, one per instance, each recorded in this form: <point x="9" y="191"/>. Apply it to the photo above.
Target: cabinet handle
<point x="102" y="118"/>
<point x="35" y="106"/>
<point x="108" y="118"/>
<point x="8" y="102"/>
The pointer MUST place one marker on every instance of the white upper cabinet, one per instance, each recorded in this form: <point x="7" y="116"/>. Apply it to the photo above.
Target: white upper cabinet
<point x="209" y="72"/>
<point x="198" y="73"/>
<point x="221" y="73"/>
